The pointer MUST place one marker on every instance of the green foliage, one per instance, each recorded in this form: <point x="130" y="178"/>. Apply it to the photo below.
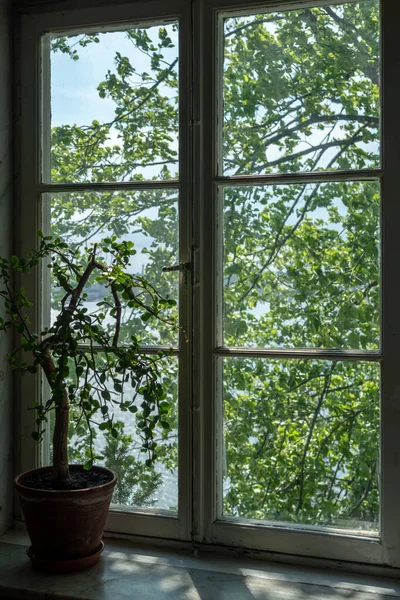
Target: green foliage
<point x="303" y="436"/>
<point x="82" y="360"/>
<point x="137" y="481"/>
<point x="301" y="262"/>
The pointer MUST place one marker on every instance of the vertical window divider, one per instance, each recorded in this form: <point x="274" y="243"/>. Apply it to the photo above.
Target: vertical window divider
<point x="218" y="442"/>
<point x="390" y="422"/>
<point x="219" y="95"/>
<point x="28" y="203"/>
<point x="185" y="448"/>
<point x="205" y="36"/>
<point x="44" y="175"/>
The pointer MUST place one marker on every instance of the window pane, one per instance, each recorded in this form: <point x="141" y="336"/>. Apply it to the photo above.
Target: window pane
<point x="114" y="111"/>
<point x="150" y="220"/>
<point x="301" y="265"/>
<point x="302" y="441"/>
<point x="138" y="485"/>
<point x="301" y="90"/>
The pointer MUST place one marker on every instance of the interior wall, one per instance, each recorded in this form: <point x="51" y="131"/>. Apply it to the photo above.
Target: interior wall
<point x="6" y="125"/>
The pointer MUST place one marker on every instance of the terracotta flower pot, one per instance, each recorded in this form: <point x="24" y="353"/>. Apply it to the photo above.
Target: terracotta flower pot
<point x="65" y="525"/>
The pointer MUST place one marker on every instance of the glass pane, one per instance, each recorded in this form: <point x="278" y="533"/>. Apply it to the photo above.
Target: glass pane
<point x="138" y="485"/>
<point x="302" y="441"/>
<point x="301" y="265"/>
<point x="147" y="218"/>
<point x="301" y="90"/>
<point x="114" y="105"/>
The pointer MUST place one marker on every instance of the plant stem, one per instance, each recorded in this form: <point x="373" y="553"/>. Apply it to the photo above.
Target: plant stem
<point x="60" y="434"/>
<point x="60" y="443"/>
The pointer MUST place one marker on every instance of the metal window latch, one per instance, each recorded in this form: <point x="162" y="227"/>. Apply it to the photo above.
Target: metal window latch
<point x="181" y="267"/>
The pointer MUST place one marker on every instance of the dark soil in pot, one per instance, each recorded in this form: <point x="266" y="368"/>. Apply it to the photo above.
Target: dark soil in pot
<point x="81" y="479"/>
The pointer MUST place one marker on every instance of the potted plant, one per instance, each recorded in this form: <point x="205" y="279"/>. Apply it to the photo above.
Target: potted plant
<point x="65" y="506"/>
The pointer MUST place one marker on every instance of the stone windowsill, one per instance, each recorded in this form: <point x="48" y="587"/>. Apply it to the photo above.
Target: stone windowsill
<point x="127" y="572"/>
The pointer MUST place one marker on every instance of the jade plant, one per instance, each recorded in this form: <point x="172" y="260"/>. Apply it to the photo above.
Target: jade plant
<point x="86" y="367"/>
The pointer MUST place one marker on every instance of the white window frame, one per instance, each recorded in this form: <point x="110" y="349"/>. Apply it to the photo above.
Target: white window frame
<point x="35" y="113"/>
<point x="199" y="519"/>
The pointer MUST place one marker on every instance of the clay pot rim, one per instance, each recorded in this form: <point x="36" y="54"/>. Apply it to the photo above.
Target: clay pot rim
<point x="89" y="490"/>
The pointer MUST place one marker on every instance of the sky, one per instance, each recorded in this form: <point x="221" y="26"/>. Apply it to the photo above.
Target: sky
<point x="74" y="96"/>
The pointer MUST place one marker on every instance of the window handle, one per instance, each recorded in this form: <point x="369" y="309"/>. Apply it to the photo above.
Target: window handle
<point x="180" y="267"/>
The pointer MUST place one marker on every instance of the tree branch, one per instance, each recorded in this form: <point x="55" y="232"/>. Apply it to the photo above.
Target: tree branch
<point x="310" y="434"/>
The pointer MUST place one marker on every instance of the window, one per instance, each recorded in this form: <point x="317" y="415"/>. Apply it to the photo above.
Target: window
<point x="257" y="145"/>
<point x="295" y="430"/>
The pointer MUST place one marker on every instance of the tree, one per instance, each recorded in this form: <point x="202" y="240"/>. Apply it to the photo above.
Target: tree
<point x="301" y="261"/>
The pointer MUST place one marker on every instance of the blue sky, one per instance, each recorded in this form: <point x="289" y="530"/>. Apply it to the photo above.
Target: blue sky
<point x="74" y="96"/>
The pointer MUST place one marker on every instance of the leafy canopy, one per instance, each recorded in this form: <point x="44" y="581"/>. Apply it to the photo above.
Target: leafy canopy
<point x="301" y="262"/>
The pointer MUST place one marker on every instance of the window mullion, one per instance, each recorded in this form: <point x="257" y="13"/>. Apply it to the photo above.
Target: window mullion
<point x="205" y="321"/>
<point x="390" y="427"/>
<point x="28" y="203"/>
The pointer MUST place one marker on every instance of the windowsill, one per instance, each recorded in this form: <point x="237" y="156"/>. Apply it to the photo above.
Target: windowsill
<point x="128" y="571"/>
